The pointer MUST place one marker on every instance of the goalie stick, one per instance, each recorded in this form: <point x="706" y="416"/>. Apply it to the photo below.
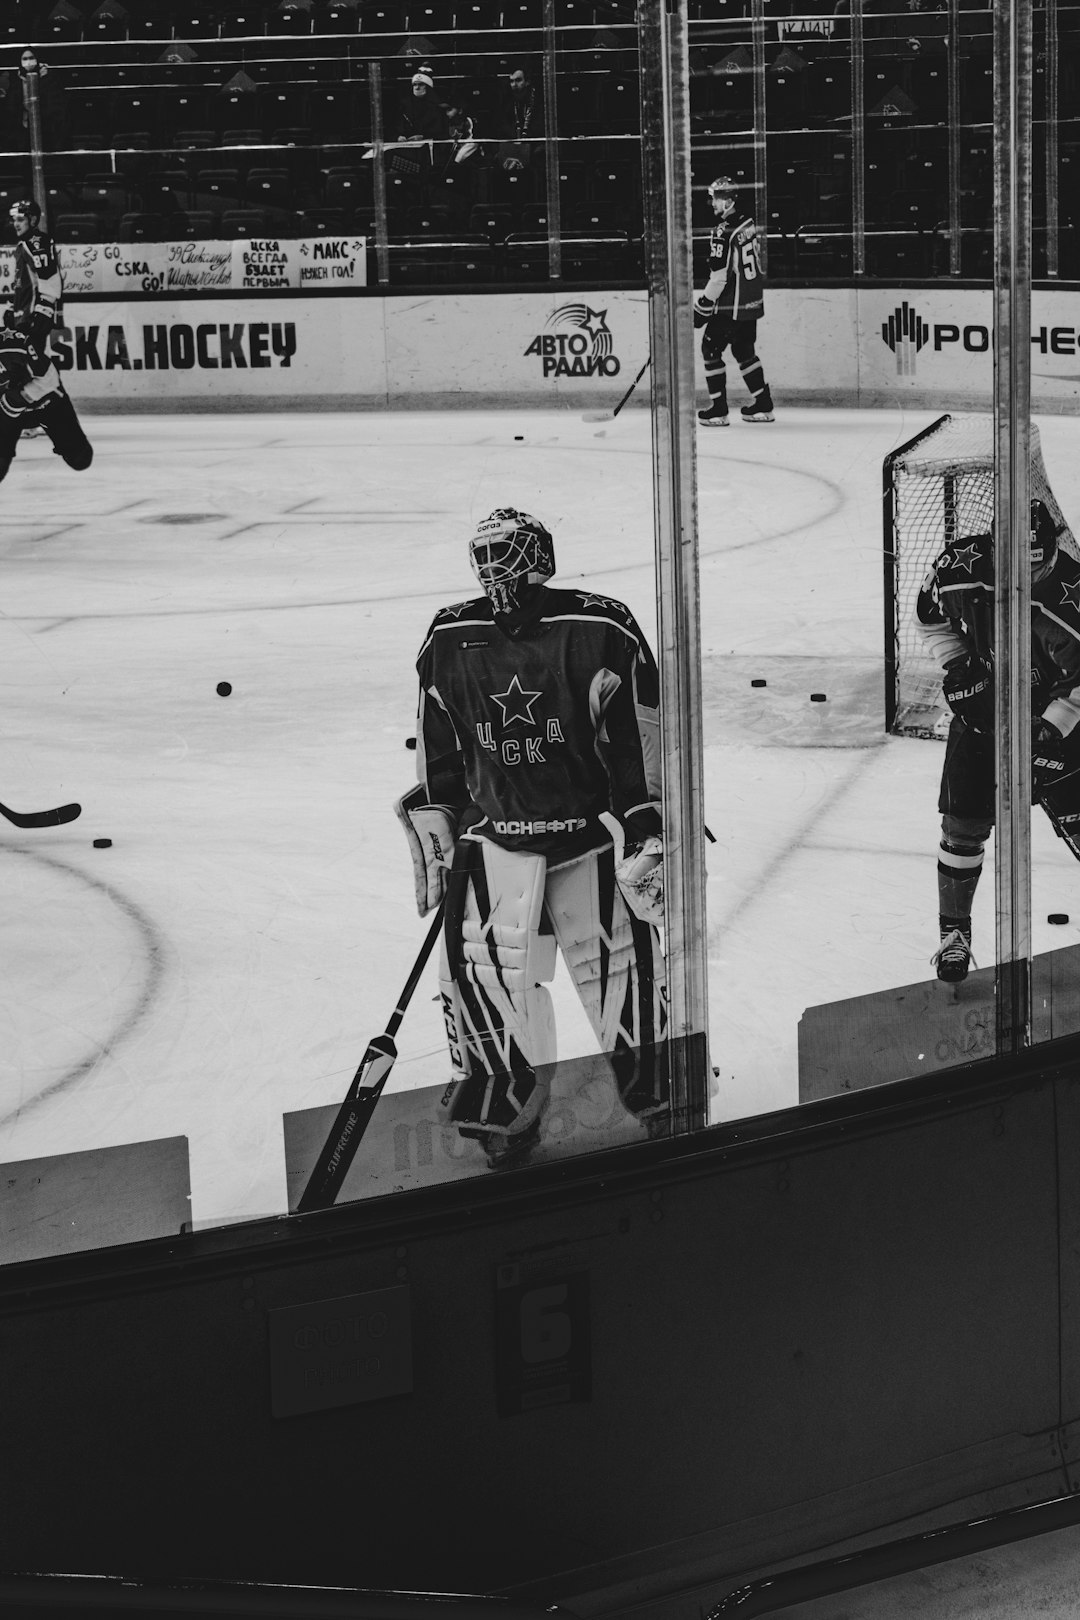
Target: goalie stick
<point x="1062" y="805"/>
<point x="609" y="416"/>
<point x="41" y="818"/>
<point x="354" y="1116"/>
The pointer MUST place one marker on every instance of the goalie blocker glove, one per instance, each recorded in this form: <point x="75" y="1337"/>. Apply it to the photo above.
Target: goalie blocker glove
<point x="430" y="831"/>
<point x="968" y="688"/>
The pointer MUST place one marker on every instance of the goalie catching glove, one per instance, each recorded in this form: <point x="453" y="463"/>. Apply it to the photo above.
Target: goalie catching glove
<point x="639" y="872"/>
<point x="429" y="829"/>
<point x="968" y="688"/>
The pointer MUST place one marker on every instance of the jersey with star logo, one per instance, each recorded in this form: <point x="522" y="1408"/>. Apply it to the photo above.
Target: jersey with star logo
<point x="733" y="248"/>
<point x="956" y="616"/>
<point x="528" y="738"/>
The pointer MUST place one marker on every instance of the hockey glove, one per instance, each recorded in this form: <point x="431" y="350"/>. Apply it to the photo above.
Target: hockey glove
<point x="1047" y="756"/>
<point x="703" y="309"/>
<point x="429" y="829"/>
<point x="968" y="689"/>
<point x="640" y="875"/>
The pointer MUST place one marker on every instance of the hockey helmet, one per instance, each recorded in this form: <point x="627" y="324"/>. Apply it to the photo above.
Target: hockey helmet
<point x="509" y="552"/>
<point x="25" y="208"/>
<point x="1044" y="533"/>
<point x="722" y="194"/>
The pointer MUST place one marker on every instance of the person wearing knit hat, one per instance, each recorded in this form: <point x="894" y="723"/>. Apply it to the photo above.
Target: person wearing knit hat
<point x="421" y="116"/>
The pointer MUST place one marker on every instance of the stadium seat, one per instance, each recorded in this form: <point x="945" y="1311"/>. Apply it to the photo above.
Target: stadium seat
<point x="216" y="187"/>
<point x="64" y="22"/>
<point x="269" y="187"/>
<point x="140" y="227"/>
<point x="83" y="228"/>
<point x="347" y="188"/>
<point x="245" y="222"/>
<point x="109" y="21"/>
<point x="201" y="224"/>
<point x="104" y="194"/>
<point x="338" y="17"/>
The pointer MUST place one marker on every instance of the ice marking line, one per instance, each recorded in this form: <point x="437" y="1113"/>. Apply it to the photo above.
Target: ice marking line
<point x="155" y="959"/>
<point x="796" y="846"/>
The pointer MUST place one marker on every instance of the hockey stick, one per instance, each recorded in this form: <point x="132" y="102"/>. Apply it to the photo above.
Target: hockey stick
<point x="609" y="416"/>
<point x="42" y="818"/>
<point x="354" y="1116"/>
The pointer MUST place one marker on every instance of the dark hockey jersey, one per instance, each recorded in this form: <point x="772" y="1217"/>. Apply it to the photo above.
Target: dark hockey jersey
<point x="956" y="616"/>
<point x="38" y="285"/>
<point x="529" y="738"/>
<point x="734" y="255"/>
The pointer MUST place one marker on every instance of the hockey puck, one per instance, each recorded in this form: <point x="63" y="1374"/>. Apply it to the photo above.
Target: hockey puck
<point x="519" y="438"/>
<point x="757" y="683"/>
<point x="103" y="843"/>
<point x="410" y="742"/>
<point x="1058" y="917"/>
<point x="223" y="688"/>
<point x="817" y="697"/>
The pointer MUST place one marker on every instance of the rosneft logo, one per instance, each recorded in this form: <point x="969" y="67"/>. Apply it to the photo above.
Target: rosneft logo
<point x="905" y="332"/>
<point x="580" y="345"/>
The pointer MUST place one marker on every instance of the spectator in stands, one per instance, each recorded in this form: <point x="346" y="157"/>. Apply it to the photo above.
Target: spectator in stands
<point x="465" y="149"/>
<point x="421" y="117"/>
<point x="520" y="120"/>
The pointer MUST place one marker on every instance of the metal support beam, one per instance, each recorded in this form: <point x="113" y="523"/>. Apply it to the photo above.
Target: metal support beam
<point x="1012" y="457"/>
<point x="666" y="167"/>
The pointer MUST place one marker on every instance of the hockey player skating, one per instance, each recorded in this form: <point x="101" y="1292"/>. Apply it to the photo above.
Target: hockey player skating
<point x="38" y="286"/>
<point x="956" y="618"/>
<point x="32" y="395"/>
<point x="538" y="715"/>
<point x="729" y="308"/>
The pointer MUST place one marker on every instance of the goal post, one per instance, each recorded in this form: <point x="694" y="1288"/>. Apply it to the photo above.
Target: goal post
<point x="935" y="488"/>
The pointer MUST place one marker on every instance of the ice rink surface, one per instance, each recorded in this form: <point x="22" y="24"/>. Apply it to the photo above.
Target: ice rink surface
<point x="228" y="958"/>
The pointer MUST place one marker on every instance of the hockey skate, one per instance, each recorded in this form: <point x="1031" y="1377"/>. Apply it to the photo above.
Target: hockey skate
<point x="953" y="958"/>
<point x="715" y="416"/>
<point x="504" y="1149"/>
<point x="760" y="409"/>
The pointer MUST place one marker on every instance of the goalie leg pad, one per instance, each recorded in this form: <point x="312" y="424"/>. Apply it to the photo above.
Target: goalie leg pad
<point x="509" y="946"/>
<point x="500" y="1021"/>
<point x="617" y="967"/>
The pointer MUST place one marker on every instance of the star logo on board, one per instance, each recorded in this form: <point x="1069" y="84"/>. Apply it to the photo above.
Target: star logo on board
<point x="1070" y="594"/>
<point x="516" y="704"/>
<point x="965" y="557"/>
<point x="594" y="323"/>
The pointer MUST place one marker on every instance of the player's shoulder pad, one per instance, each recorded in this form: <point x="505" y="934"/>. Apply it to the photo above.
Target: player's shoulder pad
<point x="592" y="605"/>
<point x="1059" y="592"/>
<point x="968" y="560"/>
<point x="475" y="607"/>
<point x="743" y="228"/>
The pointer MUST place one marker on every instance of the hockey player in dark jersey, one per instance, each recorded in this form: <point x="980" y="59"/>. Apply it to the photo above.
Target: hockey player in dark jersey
<point x="956" y="618"/>
<point x="538" y="718"/>
<point x="38" y="288"/>
<point x="32" y="395"/>
<point x="729" y="308"/>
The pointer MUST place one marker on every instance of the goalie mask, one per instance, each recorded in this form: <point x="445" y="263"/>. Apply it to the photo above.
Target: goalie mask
<point x="1043" y="536"/>
<point x="722" y="196"/>
<point x="511" y="552"/>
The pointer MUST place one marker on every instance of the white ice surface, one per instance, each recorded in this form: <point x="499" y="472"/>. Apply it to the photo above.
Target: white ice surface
<point x="228" y="958"/>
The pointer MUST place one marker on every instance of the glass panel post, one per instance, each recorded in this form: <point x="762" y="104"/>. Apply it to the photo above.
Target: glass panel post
<point x="665" y="159"/>
<point x="553" y="191"/>
<point x="761" y="195"/>
<point x="955" y="218"/>
<point x="1051" y="150"/>
<point x="378" y="157"/>
<point x="1012" y="448"/>
<point x="858" y="140"/>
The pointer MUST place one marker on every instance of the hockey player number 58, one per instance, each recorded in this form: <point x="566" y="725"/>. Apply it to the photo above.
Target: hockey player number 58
<point x="546" y="1331"/>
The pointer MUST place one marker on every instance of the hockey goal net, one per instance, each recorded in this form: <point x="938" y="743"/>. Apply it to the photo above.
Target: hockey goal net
<point x="937" y="487"/>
